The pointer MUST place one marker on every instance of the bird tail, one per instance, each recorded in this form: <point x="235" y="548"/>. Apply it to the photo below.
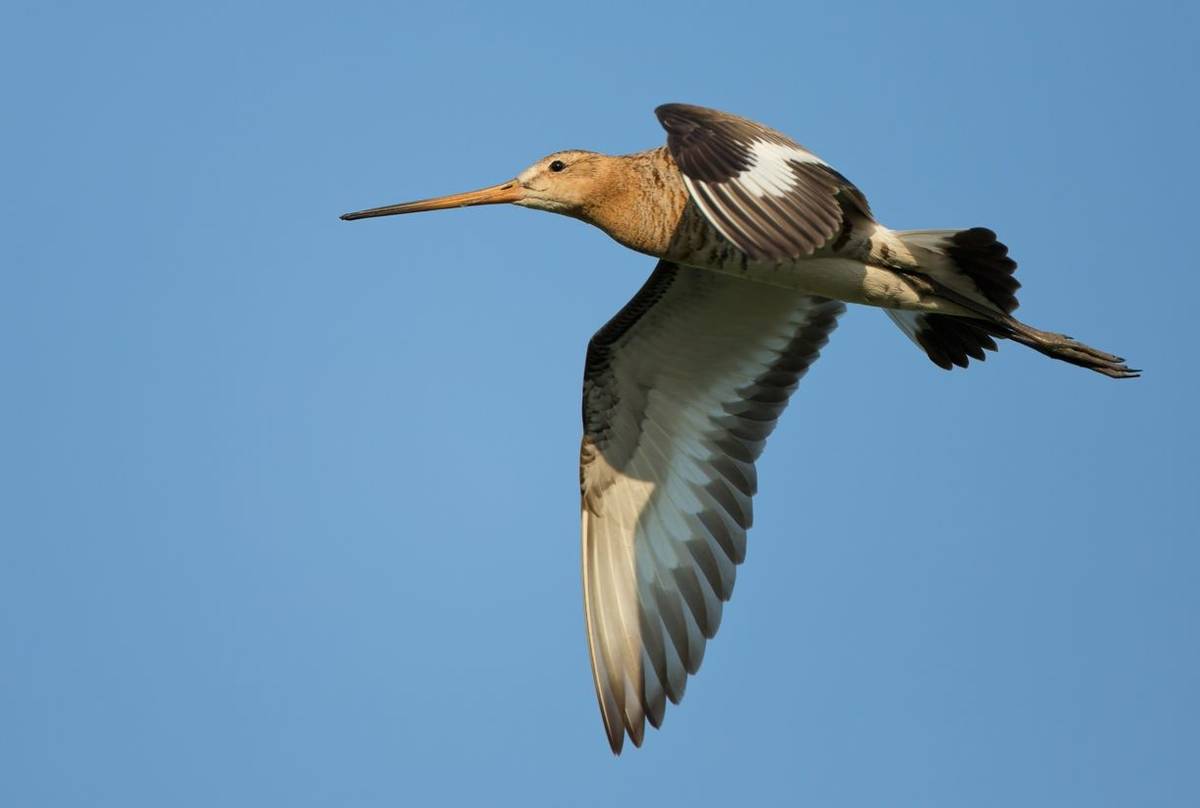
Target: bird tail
<point x="972" y="268"/>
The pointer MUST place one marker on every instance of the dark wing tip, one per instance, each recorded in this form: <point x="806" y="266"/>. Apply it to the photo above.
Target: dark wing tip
<point x="664" y="112"/>
<point x="615" y="731"/>
<point x="670" y="109"/>
<point x="676" y="116"/>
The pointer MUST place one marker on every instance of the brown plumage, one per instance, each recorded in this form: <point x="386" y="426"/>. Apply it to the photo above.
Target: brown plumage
<point x="759" y="241"/>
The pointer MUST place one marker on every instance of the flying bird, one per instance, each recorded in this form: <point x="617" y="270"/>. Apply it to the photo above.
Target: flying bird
<point x="759" y="242"/>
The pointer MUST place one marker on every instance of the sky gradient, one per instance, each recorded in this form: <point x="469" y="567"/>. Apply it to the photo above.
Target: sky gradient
<point x="290" y="505"/>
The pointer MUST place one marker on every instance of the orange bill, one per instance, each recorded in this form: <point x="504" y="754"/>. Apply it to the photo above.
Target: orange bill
<point x="510" y="191"/>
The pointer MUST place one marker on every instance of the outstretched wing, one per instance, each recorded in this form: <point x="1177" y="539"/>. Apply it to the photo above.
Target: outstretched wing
<point x="764" y="192"/>
<point x="681" y="389"/>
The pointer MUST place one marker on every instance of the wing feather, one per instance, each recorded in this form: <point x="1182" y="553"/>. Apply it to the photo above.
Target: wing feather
<point x="770" y="196"/>
<point x="681" y="389"/>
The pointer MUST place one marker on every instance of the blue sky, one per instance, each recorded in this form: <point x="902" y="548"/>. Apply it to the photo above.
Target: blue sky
<point x="290" y="504"/>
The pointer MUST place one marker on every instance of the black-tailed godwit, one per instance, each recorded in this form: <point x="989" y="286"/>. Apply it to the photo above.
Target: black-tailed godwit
<point x="759" y="241"/>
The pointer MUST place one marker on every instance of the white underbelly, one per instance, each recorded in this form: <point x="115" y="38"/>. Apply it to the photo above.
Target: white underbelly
<point x="843" y="279"/>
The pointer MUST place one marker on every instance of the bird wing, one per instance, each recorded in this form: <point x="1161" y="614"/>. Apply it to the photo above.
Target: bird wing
<point x="764" y="192"/>
<point x="681" y="389"/>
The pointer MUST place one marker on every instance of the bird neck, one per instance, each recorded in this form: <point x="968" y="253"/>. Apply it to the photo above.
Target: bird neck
<point x="639" y="201"/>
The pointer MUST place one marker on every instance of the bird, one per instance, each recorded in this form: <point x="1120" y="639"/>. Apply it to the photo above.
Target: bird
<point x="760" y="244"/>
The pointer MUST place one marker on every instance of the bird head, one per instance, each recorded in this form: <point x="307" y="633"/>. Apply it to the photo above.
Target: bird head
<point x="564" y="182"/>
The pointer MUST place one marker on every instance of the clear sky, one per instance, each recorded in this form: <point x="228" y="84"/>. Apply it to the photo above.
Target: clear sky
<point x="290" y="505"/>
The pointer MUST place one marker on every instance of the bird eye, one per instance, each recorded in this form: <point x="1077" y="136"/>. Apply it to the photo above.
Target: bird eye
<point x="557" y="165"/>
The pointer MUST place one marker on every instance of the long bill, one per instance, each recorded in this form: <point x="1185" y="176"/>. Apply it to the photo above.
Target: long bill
<point x="510" y="191"/>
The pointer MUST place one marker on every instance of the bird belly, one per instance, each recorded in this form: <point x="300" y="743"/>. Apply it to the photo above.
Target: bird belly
<point x="838" y="278"/>
<point x="849" y="276"/>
